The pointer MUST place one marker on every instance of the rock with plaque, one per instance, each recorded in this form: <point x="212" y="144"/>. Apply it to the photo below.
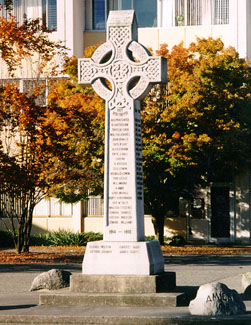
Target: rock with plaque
<point x="216" y="299"/>
<point x="130" y="71"/>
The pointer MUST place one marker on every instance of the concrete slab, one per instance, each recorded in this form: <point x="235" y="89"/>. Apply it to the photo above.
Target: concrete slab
<point x="169" y="299"/>
<point x="19" y="306"/>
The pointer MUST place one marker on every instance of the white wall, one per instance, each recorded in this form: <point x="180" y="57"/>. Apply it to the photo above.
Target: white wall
<point x="51" y="215"/>
<point x="70" y="15"/>
<point x="240" y="26"/>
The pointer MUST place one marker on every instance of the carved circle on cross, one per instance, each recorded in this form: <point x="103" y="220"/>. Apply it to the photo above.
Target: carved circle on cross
<point x="130" y="70"/>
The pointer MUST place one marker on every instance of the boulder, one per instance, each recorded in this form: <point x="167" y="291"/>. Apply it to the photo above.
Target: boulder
<point x="216" y="299"/>
<point x="246" y="283"/>
<point x="51" y="280"/>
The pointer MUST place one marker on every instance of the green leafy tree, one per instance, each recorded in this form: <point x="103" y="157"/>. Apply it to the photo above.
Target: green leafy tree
<point x="197" y="128"/>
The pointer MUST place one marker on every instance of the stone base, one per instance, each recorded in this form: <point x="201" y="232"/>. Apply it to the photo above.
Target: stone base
<point x="118" y="290"/>
<point x="123" y="258"/>
<point x="130" y="284"/>
<point x="121" y="300"/>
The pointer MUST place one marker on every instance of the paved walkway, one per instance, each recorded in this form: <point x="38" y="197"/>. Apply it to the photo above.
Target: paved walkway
<point x="19" y="306"/>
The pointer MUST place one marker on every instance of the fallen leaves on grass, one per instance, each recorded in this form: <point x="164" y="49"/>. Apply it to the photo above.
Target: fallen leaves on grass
<point x="205" y="250"/>
<point x="44" y="255"/>
<point x="75" y="254"/>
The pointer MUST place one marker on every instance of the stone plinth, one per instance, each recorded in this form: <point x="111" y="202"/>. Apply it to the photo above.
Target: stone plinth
<point x="123" y="283"/>
<point x="173" y="299"/>
<point x="119" y="290"/>
<point x="123" y="258"/>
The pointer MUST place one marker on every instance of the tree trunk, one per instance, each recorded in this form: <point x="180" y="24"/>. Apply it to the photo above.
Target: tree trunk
<point x="19" y="209"/>
<point x="27" y="231"/>
<point x="24" y="231"/>
<point x="20" y="238"/>
<point x="158" y="224"/>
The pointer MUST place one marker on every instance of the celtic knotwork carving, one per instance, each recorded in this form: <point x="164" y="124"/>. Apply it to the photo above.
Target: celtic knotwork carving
<point x="153" y="69"/>
<point x="119" y="100"/>
<point x="119" y="35"/>
<point x="103" y="71"/>
<point x="87" y="71"/>
<point x="138" y="70"/>
<point x="120" y="70"/>
<point x="115" y="61"/>
<point x="119" y="103"/>
<point x="119" y="53"/>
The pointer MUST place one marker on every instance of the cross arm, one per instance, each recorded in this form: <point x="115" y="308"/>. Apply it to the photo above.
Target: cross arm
<point x="86" y="71"/>
<point x="153" y="71"/>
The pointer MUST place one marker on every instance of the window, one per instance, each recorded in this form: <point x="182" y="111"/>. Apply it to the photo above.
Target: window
<point x="3" y="10"/>
<point x="145" y="10"/>
<point x="98" y="14"/>
<point x="95" y="206"/>
<point x="188" y="12"/>
<point x="193" y="12"/>
<point x="220" y="12"/>
<point x="124" y="4"/>
<point x="45" y="9"/>
<point x="198" y="208"/>
<point x="49" y="14"/>
<point x="171" y="12"/>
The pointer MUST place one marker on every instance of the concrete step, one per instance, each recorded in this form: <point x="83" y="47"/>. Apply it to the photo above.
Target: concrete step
<point x="171" y="299"/>
<point x="164" y="319"/>
<point x="128" y="284"/>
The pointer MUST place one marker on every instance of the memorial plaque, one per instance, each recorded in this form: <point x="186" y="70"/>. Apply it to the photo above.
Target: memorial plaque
<point x="131" y="72"/>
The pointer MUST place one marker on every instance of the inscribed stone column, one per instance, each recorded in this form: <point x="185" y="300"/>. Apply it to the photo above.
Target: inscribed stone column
<point x="131" y="71"/>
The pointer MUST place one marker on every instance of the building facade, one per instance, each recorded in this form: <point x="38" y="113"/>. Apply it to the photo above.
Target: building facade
<point x="220" y="213"/>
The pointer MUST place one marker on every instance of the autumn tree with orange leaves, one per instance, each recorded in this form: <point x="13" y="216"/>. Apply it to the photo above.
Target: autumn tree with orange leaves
<point x="77" y="115"/>
<point x="195" y="130"/>
<point x="22" y="162"/>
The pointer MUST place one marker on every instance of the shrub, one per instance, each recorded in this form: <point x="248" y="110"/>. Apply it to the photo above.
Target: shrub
<point x="6" y="239"/>
<point x="177" y="241"/>
<point x="40" y="240"/>
<point x="64" y="238"/>
<point x="148" y="238"/>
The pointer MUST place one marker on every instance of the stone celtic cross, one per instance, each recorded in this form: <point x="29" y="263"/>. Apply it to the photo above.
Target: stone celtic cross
<point x="130" y="71"/>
